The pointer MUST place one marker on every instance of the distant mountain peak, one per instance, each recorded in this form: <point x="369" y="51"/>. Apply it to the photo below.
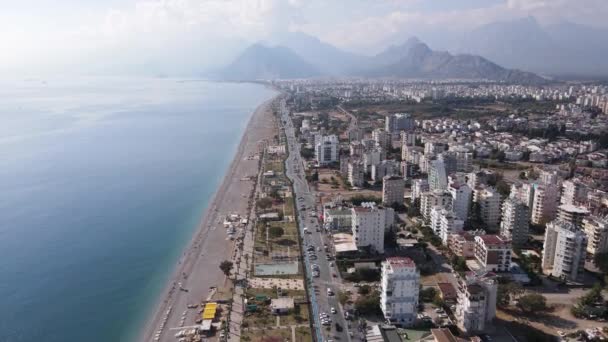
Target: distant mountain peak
<point x="412" y="59"/>
<point x="261" y="61"/>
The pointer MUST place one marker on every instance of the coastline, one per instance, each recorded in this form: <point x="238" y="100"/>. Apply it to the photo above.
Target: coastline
<point x="197" y="268"/>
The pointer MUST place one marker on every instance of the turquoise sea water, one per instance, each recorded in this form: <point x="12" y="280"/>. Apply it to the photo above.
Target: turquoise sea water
<point x="102" y="183"/>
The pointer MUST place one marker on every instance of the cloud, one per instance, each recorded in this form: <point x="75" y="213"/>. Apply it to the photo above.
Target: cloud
<point x="155" y="29"/>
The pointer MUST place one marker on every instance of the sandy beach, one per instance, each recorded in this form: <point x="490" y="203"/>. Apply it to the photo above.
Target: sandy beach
<point x="198" y="268"/>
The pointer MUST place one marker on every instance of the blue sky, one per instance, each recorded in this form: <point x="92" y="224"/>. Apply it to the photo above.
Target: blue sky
<point x="43" y="34"/>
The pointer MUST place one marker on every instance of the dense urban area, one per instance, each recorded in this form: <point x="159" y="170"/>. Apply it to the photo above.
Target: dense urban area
<point x="425" y="211"/>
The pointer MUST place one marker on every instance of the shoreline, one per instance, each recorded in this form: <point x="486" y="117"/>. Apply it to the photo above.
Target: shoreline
<point x="197" y="268"/>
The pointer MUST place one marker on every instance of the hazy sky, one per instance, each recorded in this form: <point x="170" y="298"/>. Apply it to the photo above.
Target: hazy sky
<point x="120" y="34"/>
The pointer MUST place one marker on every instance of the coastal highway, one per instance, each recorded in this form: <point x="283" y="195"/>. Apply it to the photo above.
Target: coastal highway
<point x="322" y="302"/>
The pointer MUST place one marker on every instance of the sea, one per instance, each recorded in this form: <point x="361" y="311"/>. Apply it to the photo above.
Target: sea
<point x="103" y="182"/>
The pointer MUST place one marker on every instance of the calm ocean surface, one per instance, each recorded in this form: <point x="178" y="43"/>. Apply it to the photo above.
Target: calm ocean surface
<point x="102" y="183"/>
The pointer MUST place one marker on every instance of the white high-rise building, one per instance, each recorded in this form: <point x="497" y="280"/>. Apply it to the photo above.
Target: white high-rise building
<point x="476" y="302"/>
<point x="524" y="193"/>
<point x="393" y="190"/>
<point x="326" y="150"/>
<point x="438" y="178"/>
<point x="384" y="168"/>
<point x="573" y="192"/>
<point x="449" y="224"/>
<point x="515" y="224"/>
<point x="544" y="207"/>
<point x="464" y="159"/>
<point x="400" y="285"/>
<point x="431" y="199"/>
<point x="596" y="229"/>
<point x="549" y="178"/>
<point x="408" y="139"/>
<point x="418" y="187"/>
<point x="488" y="200"/>
<point x="381" y="137"/>
<point x="461" y="199"/>
<point x="369" y="224"/>
<point x="564" y="250"/>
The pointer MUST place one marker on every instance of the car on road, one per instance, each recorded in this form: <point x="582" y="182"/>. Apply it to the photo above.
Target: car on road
<point x="330" y="292"/>
<point x="333" y="310"/>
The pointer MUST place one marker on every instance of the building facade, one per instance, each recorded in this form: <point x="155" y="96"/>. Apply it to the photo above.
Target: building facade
<point x="493" y="253"/>
<point x="476" y="302"/>
<point x="596" y="229"/>
<point x="515" y="224"/>
<point x="461" y="199"/>
<point x="564" y="250"/>
<point x="488" y="200"/>
<point x="368" y="226"/>
<point x="400" y="286"/>
<point x="326" y="150"/>
<point x="393" y="190"/>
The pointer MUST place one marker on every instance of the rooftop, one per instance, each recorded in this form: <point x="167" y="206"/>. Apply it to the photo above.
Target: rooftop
<point x="443" y="335"/>
<point x="492" y="239"/>
<point x="400" y="262"/>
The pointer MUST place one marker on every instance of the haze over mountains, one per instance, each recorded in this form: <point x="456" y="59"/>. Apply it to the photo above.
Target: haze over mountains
<point x="560" y="49"/>
<point x="303" y="56"/>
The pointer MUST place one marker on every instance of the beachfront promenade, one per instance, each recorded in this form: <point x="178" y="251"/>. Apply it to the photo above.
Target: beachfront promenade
<point x="198" y="269"/>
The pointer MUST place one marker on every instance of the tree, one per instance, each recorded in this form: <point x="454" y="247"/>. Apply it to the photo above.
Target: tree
<point x="508" y="292"/>
<point x="601" y="261"/>
<point x="593" y="296"/>
<point x="459" y="263"/>
<point x="365" y="290"/>
<point x="413" y="210"/>
<point x="503" y="188"/>
<point x="532" y="302"/>
<point x="368" y="304"/>
<point x="343" y="297"/>
<point x="428" y="294"/>
<point x="264" y="203"/>
<point x="276" y="232"/>
<point x="226" y="267"/>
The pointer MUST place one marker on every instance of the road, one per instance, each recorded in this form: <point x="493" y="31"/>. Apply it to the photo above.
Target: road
<point x="321" y="301"/>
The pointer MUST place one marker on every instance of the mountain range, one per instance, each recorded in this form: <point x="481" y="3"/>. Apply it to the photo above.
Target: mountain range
<point x="560" y="49"/>
<point x="303" y="56"/>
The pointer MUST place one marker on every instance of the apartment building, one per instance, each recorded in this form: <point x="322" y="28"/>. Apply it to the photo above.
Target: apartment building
<point x="400" y="286"/>
<point x="488" y="200"/>
<point x="461" y="199"/>
<point x="564" y="250"/>
<point x="356" y="174"/>
<point x="368" y="226"/>
<point x="515" y="223"/>
<point x="463" y="243"/>
<point x="419" y="186"/>
<point x="493" y="253"/>
<point x="393" y="190"/>
<point x="596" y="229"/>
<point x="399" y="122"/>
<point x="476" y="302"/>
<point x="572" y="213"/>
<point x="438" y="178"/>
<point x="431" y="199"/>
<point x="326" y="150"/>
<point x="544" y="207"/>
<point x="573" y="192"/>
